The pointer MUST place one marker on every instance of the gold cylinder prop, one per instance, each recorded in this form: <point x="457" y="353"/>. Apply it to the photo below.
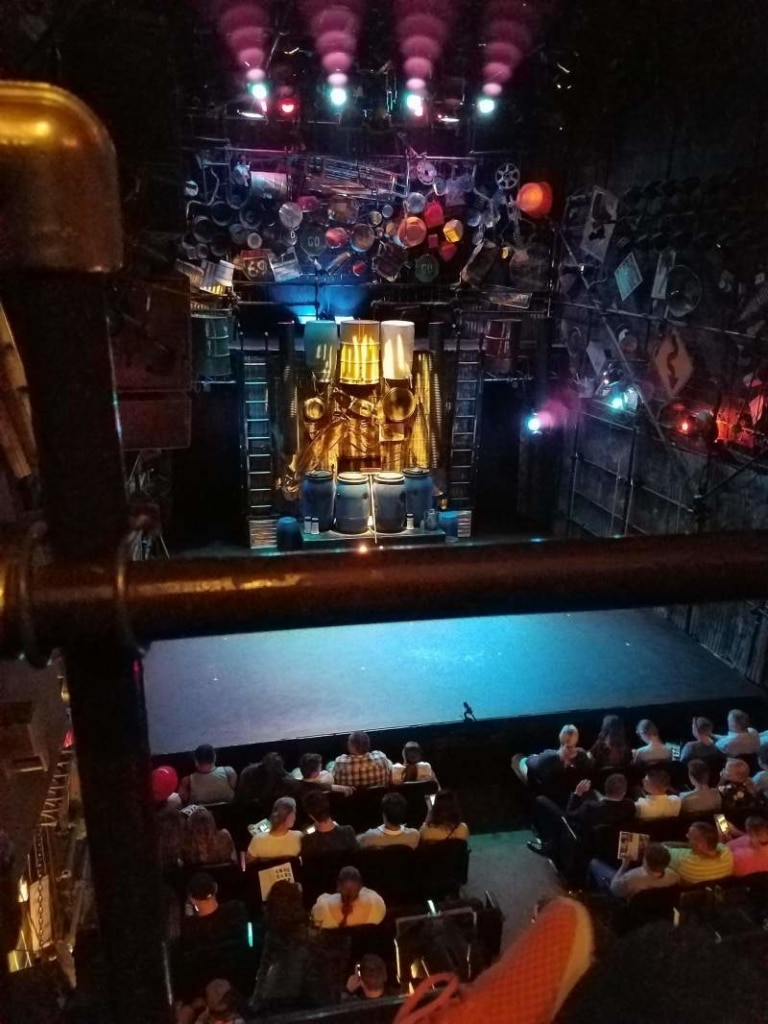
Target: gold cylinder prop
<point x="321" y="347"/>
<point x="359" y="352"/>
<point x="397" y="338"/>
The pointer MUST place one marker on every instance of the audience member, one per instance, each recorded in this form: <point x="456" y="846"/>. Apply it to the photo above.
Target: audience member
<point x="328" y="837"/>
<point x="203" y="843"/>
<point x="282" y="840"/>
<point x="741" y="738"/>
<point x="361" y="766"/>
<point x="761" y="778"/>
<point x="657" y="801"/>
<point x="211" y="923"/>
<point x="557" y="771"/>
<point x="737" y="790"/>
<point x="569" y="736"/>
<point x="208" y="784"/>
<point x="171" y="826"/>
<point x="653" y="749"/>
<point x="413" y="769"/>
<point x="311" y="769"/>
<point x="653" y="873"/>
<point x="611" y="749"/>
<point x="587" y="808"/>
<point x="370" y="979"/>
<point x="165" y="783"/>
<point x="703" y="859"/>
<point x="702" y="747"/>
<point x="703" y="798"/>
<point x="292" y="970"/>
<point x="393" y="830"/>
<point x="221" y="1005"/>
<point x="444" y="819"/>
<point x="267" y="781"/>
<point x="352" y="904"/>
<point x="750" y="848"/>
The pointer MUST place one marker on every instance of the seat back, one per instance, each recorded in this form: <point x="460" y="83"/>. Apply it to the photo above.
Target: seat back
<point x="645" y="907"/>
<point x="415" y="794"/>
<point x="391" y="872"/>
<point x="443" y="868"/>
<point x="253" y="898"/>
<point x="191" y="970"/>
<point x="362" y="810"/>
<point x="320" y="874"/>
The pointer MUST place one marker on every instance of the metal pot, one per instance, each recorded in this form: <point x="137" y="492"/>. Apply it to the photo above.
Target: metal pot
<point x="238" y="234"/>
<point x="398" y="405"/>
<point x="362" y="407"/>
<point x="221" y="214"/>
<point x="335" y="238"/>
<point x="203" y="229"/>
<point x="290" y="215"/>
<point x="363" y="237"/>
<point x="250" y="216"/>
<point x="415" y="202"/>
<point x="411" y="232"/>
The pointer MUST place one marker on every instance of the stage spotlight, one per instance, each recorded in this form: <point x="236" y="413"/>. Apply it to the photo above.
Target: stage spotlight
<point x="415" y="103"/>
<point x="534" y="424"/>
<point x="258" y="90"/>
<point x="338" y="96"/>
<point x="486" y="105"/>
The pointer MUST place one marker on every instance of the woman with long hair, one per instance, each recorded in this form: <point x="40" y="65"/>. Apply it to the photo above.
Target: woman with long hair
<point x="412" y="769"/>
<point x="203" y="842"/>
<point x="611" y="749"/>
<point x="444" y="819"/>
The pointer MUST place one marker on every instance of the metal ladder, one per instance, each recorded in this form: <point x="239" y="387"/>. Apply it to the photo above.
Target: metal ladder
<point x="466" y="407"/>
<point x="258" y="439"/>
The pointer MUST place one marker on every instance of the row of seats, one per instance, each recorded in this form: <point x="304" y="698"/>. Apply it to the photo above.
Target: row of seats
<point x="399" y="874"/>
<point x="361" y="810"/>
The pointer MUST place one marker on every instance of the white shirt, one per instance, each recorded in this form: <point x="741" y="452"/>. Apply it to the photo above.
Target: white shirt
<point x="265" y="846"/>
<point x="383" y="836"/>
<point x="736" y="743"/>
<point x="424" y="773"/>
<point x="368" y="908"/>
<point x="663" y="806"/>
<point x="653" y="751"/>
<point x="639" y="880"/>
<point x="323" y="778"/>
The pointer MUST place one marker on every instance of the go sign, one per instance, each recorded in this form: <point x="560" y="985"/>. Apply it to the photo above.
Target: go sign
<point x="312" y="241"/>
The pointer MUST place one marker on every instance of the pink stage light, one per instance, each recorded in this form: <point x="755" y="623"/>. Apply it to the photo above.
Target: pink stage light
<point x="337" y="61"/>
<point x="415" y="85"/>
<point x="492" y="89"/>
<point x="418" y="67"/>
<point x="337" y="79"/>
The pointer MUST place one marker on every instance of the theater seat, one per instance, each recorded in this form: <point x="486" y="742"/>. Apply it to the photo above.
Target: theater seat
<point x="443" y="868"/>
<point x="645" y="907"/>
<point x="415" y="794"/>
<point x="253" y="900"/>
<point x="392" y="872"/>
<point x="320" y="874"/>
<point x="192" y="970"/>
<point x="362" y="810"/>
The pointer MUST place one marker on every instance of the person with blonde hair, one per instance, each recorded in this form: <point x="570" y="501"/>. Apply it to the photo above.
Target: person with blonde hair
<point x="203" y="842"/>
<point x="282" y="840"/>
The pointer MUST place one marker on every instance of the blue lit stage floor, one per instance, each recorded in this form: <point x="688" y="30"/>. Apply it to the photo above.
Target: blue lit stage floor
<point x="259" y="688"/>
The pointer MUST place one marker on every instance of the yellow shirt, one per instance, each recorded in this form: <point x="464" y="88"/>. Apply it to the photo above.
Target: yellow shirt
<point x="693" y="868"/>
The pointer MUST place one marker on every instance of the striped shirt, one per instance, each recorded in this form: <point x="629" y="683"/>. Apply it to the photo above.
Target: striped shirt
<point x="693" y="868"/>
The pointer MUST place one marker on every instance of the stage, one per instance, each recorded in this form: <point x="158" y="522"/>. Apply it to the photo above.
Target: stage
<point x="260" y="688"/>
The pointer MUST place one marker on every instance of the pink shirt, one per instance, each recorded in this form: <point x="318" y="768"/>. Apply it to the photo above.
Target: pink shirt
<point x="746" y="859"/>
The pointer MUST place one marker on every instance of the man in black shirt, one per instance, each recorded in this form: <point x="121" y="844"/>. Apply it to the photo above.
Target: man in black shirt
<point x="328" y="837"/>
<point x="211" y="923"/>
<point x="587" y="809"/>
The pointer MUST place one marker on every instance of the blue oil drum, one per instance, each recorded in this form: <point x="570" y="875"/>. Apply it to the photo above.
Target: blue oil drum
<point x="353" y="502"/>
<point x="317" y="495"/>
<point x="389" y="502"/>
<point x="288" y="534"/>
<point x="418" y="492"/>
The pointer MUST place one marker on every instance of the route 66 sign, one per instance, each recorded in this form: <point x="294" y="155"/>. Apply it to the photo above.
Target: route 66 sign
<point x="673" y="364"/>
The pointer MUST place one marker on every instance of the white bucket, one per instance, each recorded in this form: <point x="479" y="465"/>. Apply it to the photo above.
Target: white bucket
<point x="397" y="338"/>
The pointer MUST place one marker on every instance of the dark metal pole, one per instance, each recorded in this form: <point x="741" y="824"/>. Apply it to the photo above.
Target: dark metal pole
<point x="60" y="324"/>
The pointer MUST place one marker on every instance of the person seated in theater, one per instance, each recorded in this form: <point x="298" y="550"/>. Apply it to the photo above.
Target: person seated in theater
<point x="370" y="979"/>
<point x="412" y="769"/>
<point x="328" y="836"/>
<point x="741" y="738"/>
<point x="702" y="747"/>
<point x="559" y="770"/>
<point x="211" y="923"/>
<point x="653" y="873"/>
<point x="393" y="830"/>
<point x="701" y="798"/>
<point x="738" y="792"/>
<point x="208" y="783"/>
<point x="760" y="779"/>
<point x="352" y="904"/>
<point x="703" y="858"/>
<point x="444" y="819"/>
<point x="293" y="970"/>
<point x="203" y="842"/>
<point x="749" y="848"/>
<point x="220" y="1005"/>
<point x="282" y="840"/>
<point x="361" y="766"/>
<point x="267" y="781"/>
<point x="587" y="808"/>
<point x="652" y="749"/>
<point x="657" y="801"/>
<point x="311" y="775"/>
<point x="610" y="749"/>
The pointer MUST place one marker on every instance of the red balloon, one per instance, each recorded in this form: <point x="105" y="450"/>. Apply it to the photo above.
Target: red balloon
<point x="535" y="198"/>
<point x="164" y="782"/>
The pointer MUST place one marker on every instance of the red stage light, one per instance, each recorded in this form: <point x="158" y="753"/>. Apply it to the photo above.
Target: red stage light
<point x="535" y="199"/>
<point x="287" y="107"/>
